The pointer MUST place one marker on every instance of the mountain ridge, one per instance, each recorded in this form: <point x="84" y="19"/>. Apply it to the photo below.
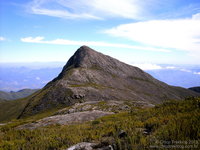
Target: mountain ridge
<point x="90" y="75"/>
<point x="16" y="95"/>
<point x="195" y="89"/>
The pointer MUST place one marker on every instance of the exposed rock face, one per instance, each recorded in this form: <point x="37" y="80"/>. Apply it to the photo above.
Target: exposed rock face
<point x="90" y="146"/>
<point x="73" y="118"/>
<point x="83" y="145"/>
<point x="92" y="76"/>
<point x="106" y="106"/>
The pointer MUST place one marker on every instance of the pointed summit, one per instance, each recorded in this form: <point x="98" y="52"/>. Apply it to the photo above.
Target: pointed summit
<point x="85" y="57"/>
<point x="82" y="57"/>
<point x="93" y="76"/>
<point x="85" y="48"/>
<point x="84" y="51"/>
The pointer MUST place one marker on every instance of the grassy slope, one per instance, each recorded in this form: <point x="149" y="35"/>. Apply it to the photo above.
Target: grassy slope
<point x="174" y="120"/>
<point x="11" y="109"/>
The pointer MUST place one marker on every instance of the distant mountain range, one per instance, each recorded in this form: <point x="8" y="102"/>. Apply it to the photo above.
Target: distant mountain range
<point x="14" y="77"/>
<point x="17" y="78"/>
<point x="16" y="95"/>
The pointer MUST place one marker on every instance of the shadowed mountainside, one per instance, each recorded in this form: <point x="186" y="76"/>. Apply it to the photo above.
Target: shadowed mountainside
<point x="92" y="76"/>
<point x="195" y="89"/>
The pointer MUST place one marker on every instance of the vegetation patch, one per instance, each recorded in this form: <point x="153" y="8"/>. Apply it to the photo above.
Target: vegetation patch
<point x="94" y="85"/>
<point x="158" y="127"/>
<point x="143" y="80"/>
<point x="11" y="109"/>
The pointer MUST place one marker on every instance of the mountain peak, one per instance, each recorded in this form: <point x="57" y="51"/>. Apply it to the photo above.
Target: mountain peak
<point x="81" y="57"/>
<point x="85" y="51"/>
<point x="93" y="76"/>
<point x="85" y="48"/>
<point x="84" y="57"/>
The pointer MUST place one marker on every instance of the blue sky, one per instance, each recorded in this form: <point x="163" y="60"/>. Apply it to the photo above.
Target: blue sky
<point x="133" y="31"/>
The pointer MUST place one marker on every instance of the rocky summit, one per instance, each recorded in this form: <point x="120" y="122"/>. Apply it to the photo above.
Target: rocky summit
<point x="93" y="76"/>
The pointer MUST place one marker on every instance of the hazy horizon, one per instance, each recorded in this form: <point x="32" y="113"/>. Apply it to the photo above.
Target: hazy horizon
<point x="17" y="76"/>
<point x="159" y="37"/>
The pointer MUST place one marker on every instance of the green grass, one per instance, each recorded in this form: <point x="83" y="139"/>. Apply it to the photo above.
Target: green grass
<point x="143" y="80"/>
<point x="95" y="67"/>
<point x="49" y="97"/>
<point x="97" y="86"/>
<point x="11" y="109"/>
<point x="171" y="121"/>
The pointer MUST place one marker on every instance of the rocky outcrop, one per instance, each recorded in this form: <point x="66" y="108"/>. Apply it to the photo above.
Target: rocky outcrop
<point x="90" y="146"/>
<point x="92" y="76"/>
<point x="82" y="146"/>
<point x="73" y="118"/>
<point x="108" y="106"/>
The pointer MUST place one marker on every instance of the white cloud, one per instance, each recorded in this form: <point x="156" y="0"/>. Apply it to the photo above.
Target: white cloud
<point x="95" y="9"/>
<point x="101" y="9"/>
<point x="185" y="70"/>
<point x="2" y="38"/>
<point x="198" y="73"/>
<point x="196" y="16"/>
<point x="147" y="66"/>
<point x="61" y="13"/>
<point x="179" y="34"/>
<point x="40" y="39"/>
<point x="179" y="69"/>
<point x="170" y="67"/>
<point x="32" y="40"/>
<point x="125" y="9"/>
<point x="150" y="66"/>
<point x="37" y="78"/>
